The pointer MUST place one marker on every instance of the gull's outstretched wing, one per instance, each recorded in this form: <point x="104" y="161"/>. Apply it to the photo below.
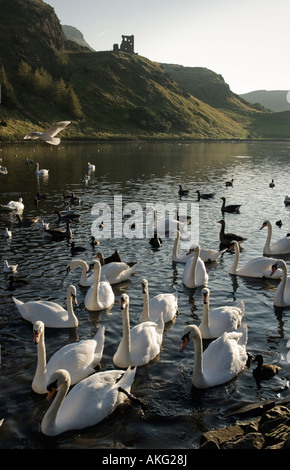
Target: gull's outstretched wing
<point x="32" y="136"/>
<point x="54" y="129"/>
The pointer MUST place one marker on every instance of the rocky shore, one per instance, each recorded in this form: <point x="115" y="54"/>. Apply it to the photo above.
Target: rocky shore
<point x="264" y="425"/>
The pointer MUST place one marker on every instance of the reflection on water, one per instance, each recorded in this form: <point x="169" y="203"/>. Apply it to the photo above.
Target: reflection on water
<point x="141" y="173"/>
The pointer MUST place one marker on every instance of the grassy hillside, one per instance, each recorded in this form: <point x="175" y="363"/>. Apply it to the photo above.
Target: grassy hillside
<point x="274" y="100"/>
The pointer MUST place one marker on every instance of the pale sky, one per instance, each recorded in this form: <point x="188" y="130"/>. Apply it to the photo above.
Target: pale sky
<point x="246" y="41"/>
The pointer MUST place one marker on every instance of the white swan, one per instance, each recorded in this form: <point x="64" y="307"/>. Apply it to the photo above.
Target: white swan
<point x="223" y="359"/>
<point x="89" y="401"/>
<point x="160" y="303"/>
<point x="49" y="135"/>
<point x="115" y="272"/>
<point x="41" y="172"/>
<point x="79" y="359"/>
<point x="100" y="295"/>
<point x="206" y="255"/>
<point x="220" y="319"/>
<point x="85" y="280"/>
<point x="9" y="268"/>
<point x="51" y="314"/>
<point x="140" y="344"/>
<point x="167" y="226"/>
<point x="258" y="267"/>
<point x="17" y="206"/>
<point x="194" y="273"/>
<point x="282" y="294"/>
<point x="280" y="247"/>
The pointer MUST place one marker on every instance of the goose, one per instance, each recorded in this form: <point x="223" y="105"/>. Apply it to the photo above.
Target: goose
<point x="140" y="344"/>
<point x="42" y="172"/>
<point x="7" y="233"/>
<point x="227" y="237"/>
<point x="280" y="247"/>
<point x="272" y="184"/>
<point x="194" y="273"/>
<point x="183" y="192"/>
<point x="88" y="402"/>
<point x="204" y="195"/>
<point x="115" y="272"/>
<point x="100" y="294"/>
<point x="206" y="255"/>
<point x="91" y="167"/>
<point x="264" y="371"/>
<point x="156" y="240"/>
<point x="9" y="268"/>
<point x="114" y="257"/>
<point x="166" y="304"/>
<point x="282" y="294"/>
<point x="222" y="360"/>
<point x="220" y="319"/>
<point x="55" y="234"/>
<point x="27" y="221"/>
<point x="49" y="135"/>
<point x="67" y="217"/>
<point x="165" y="226"/>
<point x="80" y="358"/>
<point x="94" y="242"/>
<point x="50" y="313"/>
<point x="230" y="183"/>
<point x="258" y="267"/>
<point x="14" y="206"/>
<point x="233" y="208"/>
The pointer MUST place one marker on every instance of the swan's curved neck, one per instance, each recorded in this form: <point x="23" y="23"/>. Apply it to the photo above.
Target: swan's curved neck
<point x="39" y="377"/>
<point x="205" y="323"/>
<point x="70" y="310"/>
<point x="233" y="269"/>
<point x="48" y="425"/>
<point x="193" y="266"/>
<point x="145" y="312"/>
<point x="96" y="283"/>
<point x="197" y="377"/>
<point x="279" y="296"/>
<point x="268" y="239"/>
<point x="175" y="247"/>
<point x="125" y="346"/>
<point x="84" y="266"/>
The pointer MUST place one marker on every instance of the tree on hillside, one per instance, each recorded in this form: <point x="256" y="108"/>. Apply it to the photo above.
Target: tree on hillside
<point x="8" y="96"/>
<point x="25" y="73"/>
<point x="73" y="103"/>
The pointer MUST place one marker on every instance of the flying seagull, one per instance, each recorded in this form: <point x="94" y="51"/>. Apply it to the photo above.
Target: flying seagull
<point x="48" y="135"/>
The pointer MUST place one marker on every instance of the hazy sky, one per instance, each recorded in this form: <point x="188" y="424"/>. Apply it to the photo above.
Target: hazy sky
<point x="246" y="41"/>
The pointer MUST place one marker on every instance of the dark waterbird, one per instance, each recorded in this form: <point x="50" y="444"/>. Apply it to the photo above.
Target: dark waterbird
<point x="226" y="238"/>
<point x="264" y="371"/>
<point x="232" y="208"/>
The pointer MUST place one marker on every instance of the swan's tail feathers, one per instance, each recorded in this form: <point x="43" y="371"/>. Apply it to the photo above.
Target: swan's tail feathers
<point x="160" y="325"/>
<point x="241" y="306"/>
<point x="100" y="339"/>
<point x="53" y="141"/>
<point x="244" y="334"/>
<point x="127" y="378"/>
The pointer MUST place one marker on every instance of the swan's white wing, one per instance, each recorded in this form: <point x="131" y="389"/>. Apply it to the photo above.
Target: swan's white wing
<point x="281" y="246"/>
<point x="259" y="268"/>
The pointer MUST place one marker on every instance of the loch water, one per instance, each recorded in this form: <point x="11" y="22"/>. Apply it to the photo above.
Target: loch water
<point x="144" y="173"/>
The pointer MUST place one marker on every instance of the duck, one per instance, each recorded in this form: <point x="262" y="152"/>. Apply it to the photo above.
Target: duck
<point x="7" y="233"/>
<point x="166" y="304"/>
<point x="232" y="208"/>
<point x="41" y="196"/>
<point x="282" y="294"/>
<point x="13" y="283"/>
<point x="91" y="167"/>
<point x="166" y="226"/>
<point x="94" y="242"/>
<point x="100" y="294"/>
<point x="226" y="238"/>
<point x="88" y="402"/>
<point x="80" y="358"/>
<point x="219" y="319"/>
<point x="76" y="249"/>
<point x="260" y="267"/>
<point x="264" y="371"/>
<point x="50" y="313"/>
<point x="140" y="344"/>
<point x="75" y="200"/>
<point x="155" y="241"/>
<point x="67" y="217"/>
<point x="182" y="192"/>
<point x="48" y="136"/>
<point x="272" y="184"/>
<point x="9" y="268"/>
<point x="14" y="205"/>
<point x="27" y="221"/>
<point x="42" y="172"/>
<point x="194" y="273"/>
<point x="222" y="360"/>
<point x="56" y="234"/>
<point x="115" y="271"/>
<point x="43" y="225"/>
<point x="207" y="255"/>
<point x="204" y="195"/>
<point x="280" y="247"/>
<point x="230" y="183"/>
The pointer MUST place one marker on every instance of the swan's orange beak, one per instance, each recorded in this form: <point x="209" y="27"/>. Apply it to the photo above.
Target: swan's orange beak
<point x="274" y="269"/>
<point x="190" y="251"/>
<point x="184" y="343"/>
<point x="264" y="225"/>
<point x="51" y="394"/>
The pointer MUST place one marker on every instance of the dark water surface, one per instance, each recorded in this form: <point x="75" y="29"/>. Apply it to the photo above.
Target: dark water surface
<point x="142" y="173"/>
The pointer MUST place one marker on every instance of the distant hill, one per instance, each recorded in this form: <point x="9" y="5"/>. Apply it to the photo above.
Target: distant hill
<point x="73" y="34"/>
<point x="276" y="100"/>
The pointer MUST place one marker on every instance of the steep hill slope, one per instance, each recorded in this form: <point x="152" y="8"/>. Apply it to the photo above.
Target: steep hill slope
<point x="276" y="100"/>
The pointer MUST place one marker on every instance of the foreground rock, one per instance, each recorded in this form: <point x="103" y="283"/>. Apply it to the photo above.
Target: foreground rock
<point x="261" y="426"/>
